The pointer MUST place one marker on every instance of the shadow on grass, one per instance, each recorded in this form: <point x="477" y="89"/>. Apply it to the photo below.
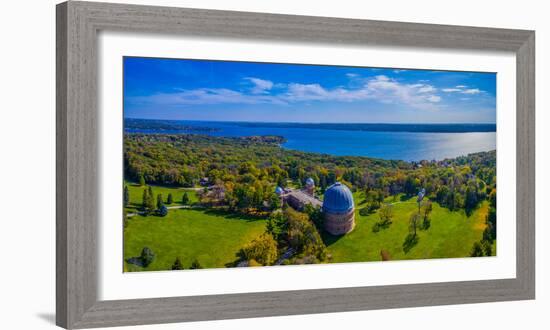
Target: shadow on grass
<point x="410" y="241"/>
<point x="234" y="215"/>
<point x="329" y="239"/>
<point x="137" y="261"/>
<point x="404" y="198"/>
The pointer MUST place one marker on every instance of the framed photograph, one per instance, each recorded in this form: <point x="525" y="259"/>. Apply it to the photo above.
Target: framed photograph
<point x="217" y="165"/>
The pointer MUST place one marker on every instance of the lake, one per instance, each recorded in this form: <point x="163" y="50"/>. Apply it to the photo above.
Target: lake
<point x="409" y="142"/>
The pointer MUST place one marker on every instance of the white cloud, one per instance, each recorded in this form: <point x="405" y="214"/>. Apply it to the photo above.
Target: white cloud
<point x="461" y="89"/>
<point x="380" y="89"/>
<point x="434" y="98"/>
<point x="352" y="75"/>
<point x="471" y="91"/>
<point x="261" y="86"/>
<point x="427" y="89"/>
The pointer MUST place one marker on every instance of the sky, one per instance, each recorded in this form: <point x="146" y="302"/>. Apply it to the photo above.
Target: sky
<point x="182" y="89"/>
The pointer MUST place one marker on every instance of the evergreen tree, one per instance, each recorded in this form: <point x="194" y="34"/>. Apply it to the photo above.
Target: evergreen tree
<point x="141" y="180"/>
<point x="148" y="201"/>
<point x="185" y="199"/>
<point x="126" y="196"/>
<point x="160" y="202"/>
<point x="170" y="199"/>
<point x="177" y="265"/>
<point x="145" y="199"/>
<point x="196" y="265"/>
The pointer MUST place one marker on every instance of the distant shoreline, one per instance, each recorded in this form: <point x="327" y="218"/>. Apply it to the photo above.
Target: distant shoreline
<point x="368" y="127"/>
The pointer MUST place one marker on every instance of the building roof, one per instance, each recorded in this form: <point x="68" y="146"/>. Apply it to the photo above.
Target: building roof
<point x="304" y="198"/>
<point x="338" y="199"/>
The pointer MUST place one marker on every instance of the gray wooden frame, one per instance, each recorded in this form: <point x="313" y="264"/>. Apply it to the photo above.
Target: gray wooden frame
<point x="78" y="24"/>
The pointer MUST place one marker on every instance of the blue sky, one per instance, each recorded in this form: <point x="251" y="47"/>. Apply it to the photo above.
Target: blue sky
<point x="244" y="91"/>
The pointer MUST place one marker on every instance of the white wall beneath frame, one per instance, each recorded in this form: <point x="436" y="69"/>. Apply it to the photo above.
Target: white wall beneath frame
<point x="27" y="142"/>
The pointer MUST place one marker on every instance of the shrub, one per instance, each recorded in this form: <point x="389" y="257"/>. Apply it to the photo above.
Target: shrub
<point x="177" y="265"/>
<point x="147" y="256"/>
<point x="196" y="265"/>
<point x="163" y="211"/>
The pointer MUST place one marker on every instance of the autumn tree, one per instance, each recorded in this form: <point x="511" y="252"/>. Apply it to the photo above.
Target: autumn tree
<point x="263" y="250"/>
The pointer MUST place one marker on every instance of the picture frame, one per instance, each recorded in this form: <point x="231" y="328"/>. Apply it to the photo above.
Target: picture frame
<point x="77" y="27"/>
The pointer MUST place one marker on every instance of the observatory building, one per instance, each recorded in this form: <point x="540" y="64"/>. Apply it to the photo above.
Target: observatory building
<point x="338" y="209"/>
<point x="310" y="186"/>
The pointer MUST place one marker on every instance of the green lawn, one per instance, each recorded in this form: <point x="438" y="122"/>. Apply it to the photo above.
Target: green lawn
<point x="451" y="234"/>
<point x="136" y="195"/>
<point x="213" y="238"/>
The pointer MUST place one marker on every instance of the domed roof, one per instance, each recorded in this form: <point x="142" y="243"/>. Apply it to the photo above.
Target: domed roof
<point x="338" y="199"/>
<point x="278" y="190"/>
<point x="310" y="182"/>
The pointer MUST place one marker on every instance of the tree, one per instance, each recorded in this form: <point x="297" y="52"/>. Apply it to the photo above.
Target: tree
<point x="160" y="202"/>
<point x="126" y="196"/>
<point x="477" y="250"/>
<point x="177" y="264"/>
<point x="147" y="256"/>
<point x="470" y="201"/>
<point x="163" y="211"/>
<point x="147" y="201"/>
<point x="386" y="214"/>
<point x="185" y="199"/>
<point x="170" y="199"/>
<point x="414" y="220"/>
<point x="196" y="265"/>
<point x="426" y="211"/>
<point x="141" y="180"/>
<point x="274" y="201"/>
<point x="263" y="250"/>
<point x="487" y="248"/>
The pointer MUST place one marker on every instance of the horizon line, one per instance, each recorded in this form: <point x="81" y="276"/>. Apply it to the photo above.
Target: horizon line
<point x="299" y="122"/>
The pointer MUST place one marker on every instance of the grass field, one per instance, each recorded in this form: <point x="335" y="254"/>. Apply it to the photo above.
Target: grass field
<point x="213" y="238"/>
<point x="136" y="195"/>
<point x="450" y="235"/>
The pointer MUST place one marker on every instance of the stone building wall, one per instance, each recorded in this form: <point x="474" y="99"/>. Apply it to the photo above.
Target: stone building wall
<point x="339" y="224"/>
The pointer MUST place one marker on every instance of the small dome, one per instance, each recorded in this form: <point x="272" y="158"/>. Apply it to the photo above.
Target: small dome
<point x="421" y="195"/>
<point x="338" y="199"/>
<point x="278" y="190"/>
<point x="310" y="182"/>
